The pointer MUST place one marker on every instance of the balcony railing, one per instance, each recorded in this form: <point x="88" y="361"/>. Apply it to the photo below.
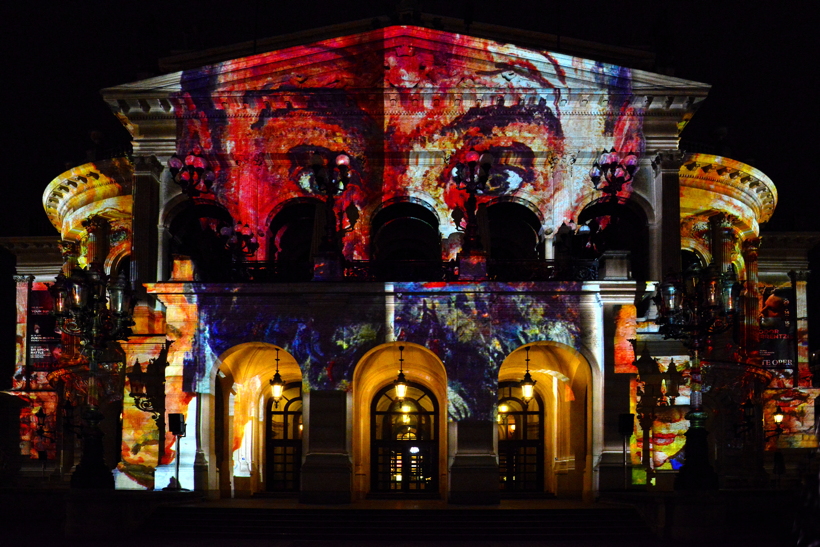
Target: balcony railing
<point x="420" y="270"/>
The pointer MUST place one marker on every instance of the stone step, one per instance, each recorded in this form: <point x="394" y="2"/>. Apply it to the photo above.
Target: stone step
<point x="621" y="523"/>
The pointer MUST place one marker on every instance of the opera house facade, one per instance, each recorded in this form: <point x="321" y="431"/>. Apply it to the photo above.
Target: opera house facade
<point x="406" y="262"/>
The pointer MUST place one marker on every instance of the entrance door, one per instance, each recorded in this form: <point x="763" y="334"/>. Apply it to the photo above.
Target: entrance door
<point x="520" y="441"/>
<point x="404" y="444"/>
<point x="284" y="443"/>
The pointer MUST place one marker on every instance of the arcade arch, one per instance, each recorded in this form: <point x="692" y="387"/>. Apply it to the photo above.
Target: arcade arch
<point x="372" y="379"/>
<point x="243" y="410"/>
<point x="564" y="392"/>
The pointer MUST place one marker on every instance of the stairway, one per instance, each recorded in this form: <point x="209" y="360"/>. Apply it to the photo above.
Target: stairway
<point x="614" y="525"/>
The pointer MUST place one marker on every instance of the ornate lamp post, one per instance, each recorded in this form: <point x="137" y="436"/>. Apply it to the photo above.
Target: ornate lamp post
<point x="192" y="173"/>
<point x="614" y="170"/>
<point x="332" y="181"/>
<point x="472" y="177"/>
<point x="658" y="389"/>
<point x="97" y="309"/>
<point x="691" y="308"/>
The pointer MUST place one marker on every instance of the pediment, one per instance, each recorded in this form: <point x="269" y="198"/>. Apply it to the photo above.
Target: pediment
<point x="412" y="59"/>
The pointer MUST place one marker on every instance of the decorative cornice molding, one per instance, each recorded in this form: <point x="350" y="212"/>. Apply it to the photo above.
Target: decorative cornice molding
<point x="730" y="180"/>
<point x="84" y="185"/>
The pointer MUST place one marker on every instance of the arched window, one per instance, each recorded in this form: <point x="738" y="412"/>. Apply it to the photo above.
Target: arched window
<point x="292" y="241"/>
<point x="404" y="444"/>
<point x="406" y="243"/>
<point x="196" y="232"/>
<point x="513" y="232"/>
<point x="614" y="226"/>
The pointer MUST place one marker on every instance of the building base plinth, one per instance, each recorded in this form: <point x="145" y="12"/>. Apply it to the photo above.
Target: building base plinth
<point x="326" y="478"/>
<point x="474" y="480"/>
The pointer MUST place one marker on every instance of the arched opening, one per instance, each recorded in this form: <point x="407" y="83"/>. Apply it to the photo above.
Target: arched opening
<point x="291" y="241"/>
<point x="404" y="441"/>
<point x="284" y="440"/>
<point x="611" y="226"/>
<point x="372" y="393"/>
<point x="196" y="232"/>
<point x="406" y="243"/>
<point x="520" y="440"/>
<point x="563" y="395"/>
<point x="246" y="422"/>
<point x="514" y="232"/>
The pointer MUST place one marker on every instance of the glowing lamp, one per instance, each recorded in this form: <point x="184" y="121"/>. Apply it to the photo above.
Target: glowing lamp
<point x="778" y="416"/>
<point x="527" y="384"/>
<point x="527" y="388"/>
<point x="277" y="388"/>
<point x="343" y="160"/>
<point x="277" y="385"/>
<point x="400" y="385"/>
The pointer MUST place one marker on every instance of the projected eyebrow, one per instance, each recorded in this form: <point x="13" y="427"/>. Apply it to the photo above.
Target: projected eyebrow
<point x="486" y="118"/>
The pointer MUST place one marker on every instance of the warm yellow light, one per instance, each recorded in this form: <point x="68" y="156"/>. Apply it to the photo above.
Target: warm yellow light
<point x="527" y="388"/>
<point x="405" y="419"/>
<point x="277" y="390"/>
<point x="406" y="408"/>
<point x="778" y="416"/>
<point x="503" y="409"/>
<point x="401" y="390"/>
<point x="512" y="427"/>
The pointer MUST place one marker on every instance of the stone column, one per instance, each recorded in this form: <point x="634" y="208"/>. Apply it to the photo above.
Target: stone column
<point x="667" y="169"/>
<point x="474" y="469"/>
<point x="722" y="240"/>
<point x="327" y="469"/>
<point x="97" y="228"/>
<point x="799" y="310"/>
<point x="145" y="198"/>
<point x="751" y="303"/>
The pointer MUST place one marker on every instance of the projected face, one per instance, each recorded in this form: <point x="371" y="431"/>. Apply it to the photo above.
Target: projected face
<point x="406" y="111"/>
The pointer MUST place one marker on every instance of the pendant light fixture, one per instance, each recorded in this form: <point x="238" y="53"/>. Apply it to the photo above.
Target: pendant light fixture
<point x="277" y="384"/>
<point x="527" y="384"/>
<point x="401" y="384"/>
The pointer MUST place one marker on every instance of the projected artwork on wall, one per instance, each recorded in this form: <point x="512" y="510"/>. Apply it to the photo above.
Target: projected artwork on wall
<point x="430" y="98"/>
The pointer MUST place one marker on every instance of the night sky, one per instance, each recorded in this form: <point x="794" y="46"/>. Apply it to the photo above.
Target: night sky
<point x="760" y="60"/>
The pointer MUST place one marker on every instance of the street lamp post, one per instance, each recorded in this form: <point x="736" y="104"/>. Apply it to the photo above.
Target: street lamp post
<point x="657" y="390"/>
<point x="691" y="308"/>
<point x="471" y="177"/>
<point x="96" y="308"/>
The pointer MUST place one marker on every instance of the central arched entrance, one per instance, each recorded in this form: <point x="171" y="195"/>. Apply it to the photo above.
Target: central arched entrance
<point x="520" y="440"/>
<point x="404" y="441"/>
<point x="389" y="439"/>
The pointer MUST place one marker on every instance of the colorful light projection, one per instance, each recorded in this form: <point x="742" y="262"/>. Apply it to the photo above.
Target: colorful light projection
<point x="407" y="104"/>
<point x="140" y="453"/>
<point x="471" y="330"/>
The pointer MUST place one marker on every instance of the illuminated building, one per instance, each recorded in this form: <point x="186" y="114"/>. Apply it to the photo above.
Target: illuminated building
<point x="497" y="211"/>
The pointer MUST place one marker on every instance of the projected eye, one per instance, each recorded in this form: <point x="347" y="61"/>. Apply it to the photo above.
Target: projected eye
<point x="505" y="178"/>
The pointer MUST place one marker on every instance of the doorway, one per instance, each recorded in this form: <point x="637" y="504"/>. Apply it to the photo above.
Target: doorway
<point x="404" y="441"/>
<point x="284" y="441"/>
<point x="520" y="440"/>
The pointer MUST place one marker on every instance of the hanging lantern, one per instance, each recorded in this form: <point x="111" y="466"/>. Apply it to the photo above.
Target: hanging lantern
<point x="527" y="384"/>
<point x="277" y="384"/>
<point x="400" y="384"/>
